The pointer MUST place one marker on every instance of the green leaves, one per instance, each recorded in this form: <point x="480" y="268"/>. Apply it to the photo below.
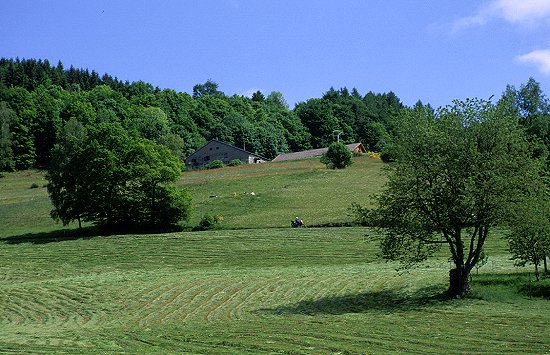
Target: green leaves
<point x="457" y="173"/>
<point x="116" y="180"/>
<point x="338" y="156"/>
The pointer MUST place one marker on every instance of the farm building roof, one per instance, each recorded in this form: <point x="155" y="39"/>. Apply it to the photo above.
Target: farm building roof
<point x="354" y="147"/>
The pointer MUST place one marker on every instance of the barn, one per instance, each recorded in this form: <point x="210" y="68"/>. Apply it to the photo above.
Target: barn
<point x="218" y="150"/>
<point x="356" y="148"/>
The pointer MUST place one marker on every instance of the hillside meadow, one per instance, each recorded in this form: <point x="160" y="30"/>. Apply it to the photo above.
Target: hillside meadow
<point x="265" y="288"/>
<point x="271" y="195"/>
<point x="248" y="196"/>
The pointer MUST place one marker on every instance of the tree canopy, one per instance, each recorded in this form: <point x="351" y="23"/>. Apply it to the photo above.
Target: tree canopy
<point x="457" y="173"/>
<point x="44" y="97"/>
<point x="338" y="156"/>
<point x="105" y="176"/>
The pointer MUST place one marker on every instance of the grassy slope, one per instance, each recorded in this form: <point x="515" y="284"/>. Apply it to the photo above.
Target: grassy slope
<point x="282" y="191"/>
<point x="249" y="291"/>
<point x="24" y="209"/>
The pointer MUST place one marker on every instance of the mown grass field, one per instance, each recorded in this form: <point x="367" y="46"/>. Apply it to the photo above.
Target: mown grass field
<point x="257" y="290"/>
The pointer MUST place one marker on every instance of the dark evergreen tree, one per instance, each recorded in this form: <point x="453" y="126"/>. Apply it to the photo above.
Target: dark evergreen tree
<point x="8" y="119"/>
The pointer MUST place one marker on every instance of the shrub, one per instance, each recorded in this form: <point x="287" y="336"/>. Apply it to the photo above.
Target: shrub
<point x="235" y="162"/>
<point x="209" y="221"/>
<point x="375" y="155"/>
<point x="34" y="185"/>
<point x="215" y="164"/>
<point x="338" y="156"/>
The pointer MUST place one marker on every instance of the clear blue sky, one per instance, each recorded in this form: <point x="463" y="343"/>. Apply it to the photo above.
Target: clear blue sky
<point x="435" y="51"/>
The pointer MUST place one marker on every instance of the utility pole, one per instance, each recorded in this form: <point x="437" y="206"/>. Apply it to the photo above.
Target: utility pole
<point x="338" y="133"/>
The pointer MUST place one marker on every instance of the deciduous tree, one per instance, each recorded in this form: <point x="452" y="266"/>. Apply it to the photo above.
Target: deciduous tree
<point x="457" y="174"/>
<point x="114" y="180"/>
<point x="529" y="235"/>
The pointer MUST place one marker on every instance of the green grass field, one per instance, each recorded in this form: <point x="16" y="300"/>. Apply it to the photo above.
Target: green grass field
<point x="267" y="289"/>
<point x="282" y="191"/>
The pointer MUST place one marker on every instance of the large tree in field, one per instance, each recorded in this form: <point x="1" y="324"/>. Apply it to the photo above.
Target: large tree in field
<point x="104" y="176"/>
<point x="457" y="173"/>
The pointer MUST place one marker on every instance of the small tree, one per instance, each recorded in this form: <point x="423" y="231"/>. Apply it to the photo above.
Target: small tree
<point x="456" y="175"/>
<point x="529" y="236"/>
<point x="338" y="156"/>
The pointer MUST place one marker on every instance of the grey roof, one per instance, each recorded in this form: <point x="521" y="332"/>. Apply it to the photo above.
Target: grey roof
<point x="312" y="153"/>
<point x="229" y="145"/>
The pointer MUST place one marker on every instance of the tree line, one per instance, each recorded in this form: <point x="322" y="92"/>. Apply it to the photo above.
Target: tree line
<point x="38" y="99"/>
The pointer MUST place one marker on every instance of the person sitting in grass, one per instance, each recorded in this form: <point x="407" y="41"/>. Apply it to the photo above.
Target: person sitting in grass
<point x="298" y="223"/>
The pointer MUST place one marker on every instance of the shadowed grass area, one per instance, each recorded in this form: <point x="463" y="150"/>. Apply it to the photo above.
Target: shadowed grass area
<point x="379" y="301"/>
<point x="53" y="236"/>
<point x="61" y="235"/>
<point x="509" y="288"/>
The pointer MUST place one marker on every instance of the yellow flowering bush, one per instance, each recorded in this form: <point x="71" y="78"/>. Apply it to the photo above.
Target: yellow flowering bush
<point x="375" y="155"/>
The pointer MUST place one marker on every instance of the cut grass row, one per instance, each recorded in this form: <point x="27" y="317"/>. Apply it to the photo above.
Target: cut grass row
<point x="254" y="291"/>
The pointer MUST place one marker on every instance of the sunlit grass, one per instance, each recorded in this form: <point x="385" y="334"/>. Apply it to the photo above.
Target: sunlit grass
<point x="270" y="195"/>
<point x="266" y="289"/>
<point x="252" y="291"/>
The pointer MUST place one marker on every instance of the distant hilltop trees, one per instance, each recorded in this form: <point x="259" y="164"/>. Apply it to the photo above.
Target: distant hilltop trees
<point x="37" y="100"/>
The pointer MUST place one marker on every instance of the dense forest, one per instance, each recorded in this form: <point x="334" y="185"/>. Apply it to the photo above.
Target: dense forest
<point x="37" y="101"/>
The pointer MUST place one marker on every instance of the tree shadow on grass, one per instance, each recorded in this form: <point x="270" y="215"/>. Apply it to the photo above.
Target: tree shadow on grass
<point x="61" y="235"/>
<point x="385" y="301"/>
<point x="489" y="287"/>
<point x="507" y="286"/>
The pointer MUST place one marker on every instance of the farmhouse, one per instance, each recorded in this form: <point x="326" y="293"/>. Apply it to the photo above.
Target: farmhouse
<point x="218" y="150"/>
<point x="356" y="148"/>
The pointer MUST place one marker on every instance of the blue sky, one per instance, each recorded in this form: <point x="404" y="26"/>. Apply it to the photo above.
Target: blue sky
<point x="435" y="51"/>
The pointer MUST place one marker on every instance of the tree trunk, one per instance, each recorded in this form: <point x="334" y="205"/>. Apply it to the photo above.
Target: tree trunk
<point x="152" y="216"/>
<point x="459" y="282"/>
<point x="545" y="265"/>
